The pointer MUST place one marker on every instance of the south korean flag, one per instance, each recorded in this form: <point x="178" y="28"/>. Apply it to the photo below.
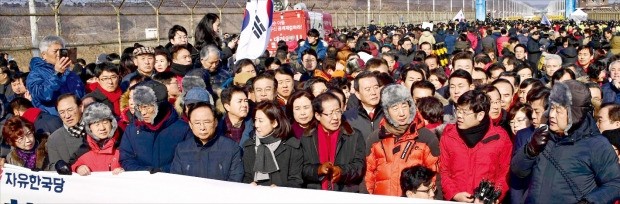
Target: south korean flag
<point x="255" y="29"/>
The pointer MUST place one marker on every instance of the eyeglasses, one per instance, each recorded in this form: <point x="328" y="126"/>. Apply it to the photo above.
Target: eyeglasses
<point x="463" y="113"/>
<point x="67" y="111"/>
<point x="427" y="191"/>
<point x="497" y="102"/>
<point x="22" y="139"/>
<point x="335" y="112"/>
<point x="111" y="78"/>
<point x="146" y="108"/>
<point x="516" y="120"/>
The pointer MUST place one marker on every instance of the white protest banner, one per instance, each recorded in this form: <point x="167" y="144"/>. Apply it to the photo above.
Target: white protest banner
<point x="427" y="25"/>
<point x="255" y="29"/>
<point x="19" y="185"/>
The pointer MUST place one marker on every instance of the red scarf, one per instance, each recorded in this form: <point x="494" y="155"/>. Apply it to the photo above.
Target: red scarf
<point x="31" y="114"/>
<point x="91" y="87"/>
<point x="497" y="121"/>
<point x="154" y="127"/>
<point x="585" y="67"/>
<point x="327" y="148"/>
<point x="114" y="97"/>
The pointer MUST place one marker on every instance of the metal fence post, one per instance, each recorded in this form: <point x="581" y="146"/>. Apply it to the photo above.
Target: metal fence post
<point x="191" y="15"/>
<point x="56" y="10"/>
<point x="157" y="17"/>
<point x="118" y="25"/>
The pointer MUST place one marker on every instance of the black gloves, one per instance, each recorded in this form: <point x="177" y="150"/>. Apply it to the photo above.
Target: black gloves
<point x="154" y="170"/>
<point x="538" y="141"/>
<point x="486" y="192"/>
<point x="62" y="167"/>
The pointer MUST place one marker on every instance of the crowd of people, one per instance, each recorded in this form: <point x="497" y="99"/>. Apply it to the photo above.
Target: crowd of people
<point x="435" y="113"/>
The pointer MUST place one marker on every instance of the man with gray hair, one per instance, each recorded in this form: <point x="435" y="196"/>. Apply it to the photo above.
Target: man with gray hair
<point x="50" y="77"/>
<point x="611" y="90"/>
<point x="553" y="62"/>
<point x="211" y="61"/>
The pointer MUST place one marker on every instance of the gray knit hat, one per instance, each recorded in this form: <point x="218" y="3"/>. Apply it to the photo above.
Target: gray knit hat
<point x="97" y="112"/>
<point x="393" y="94"/>
<point x="196" y="95"/>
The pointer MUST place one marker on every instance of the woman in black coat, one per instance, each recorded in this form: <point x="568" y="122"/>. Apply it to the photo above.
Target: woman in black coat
<point x="272" y="157"/>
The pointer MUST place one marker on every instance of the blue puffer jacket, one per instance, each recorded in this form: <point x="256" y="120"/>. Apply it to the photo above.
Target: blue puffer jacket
<point x="45" y="86"/>
<point x="611" y="94"/>
<point x="321" y="50"/>
<point x="586" y="158"/>
<point x="143" y="149"/>
<point x="450" y="41"/>
<point x="220" y="159"/>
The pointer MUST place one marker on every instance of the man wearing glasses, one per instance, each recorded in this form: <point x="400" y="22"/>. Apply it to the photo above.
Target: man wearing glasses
<point x="149" y="143"/>
<point x="108" y="90"/>
<point x="333" y="150"/>
<point x="65" y="142"/>
<point x="473" y="149"/>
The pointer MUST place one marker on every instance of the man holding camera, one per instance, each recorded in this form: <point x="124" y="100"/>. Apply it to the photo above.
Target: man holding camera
<point x="569" y="161"/>
<point x="50" y="77"/>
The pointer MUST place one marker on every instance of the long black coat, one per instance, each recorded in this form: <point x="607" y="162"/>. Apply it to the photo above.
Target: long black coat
<point x="289" y="157"/>
<point x="350" y="157"/>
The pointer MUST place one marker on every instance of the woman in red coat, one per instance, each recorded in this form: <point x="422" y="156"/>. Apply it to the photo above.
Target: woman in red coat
<point x="101" y="128"/>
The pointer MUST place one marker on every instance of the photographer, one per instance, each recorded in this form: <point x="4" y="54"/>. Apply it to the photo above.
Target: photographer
<point x="50" y="76"/>
<point x="569" y="161"/>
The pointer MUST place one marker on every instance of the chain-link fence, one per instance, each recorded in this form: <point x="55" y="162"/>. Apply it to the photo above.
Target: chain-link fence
<point x="106" y="26"/>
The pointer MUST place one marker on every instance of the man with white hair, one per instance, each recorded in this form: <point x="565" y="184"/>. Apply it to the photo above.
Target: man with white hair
<point x="211" y="62"/>
<point x="553" y="62"/>
<point x="50" y="77"/>
<point x="611" y="91"/>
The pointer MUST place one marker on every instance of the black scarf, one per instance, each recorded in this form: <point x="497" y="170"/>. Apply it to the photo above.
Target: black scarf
<point x="265" y="161"/>
<point x="180" y="69"/>
<point x="613" y="136"/>
<point x="474" y="134"/>
<point x="77" y="131"/>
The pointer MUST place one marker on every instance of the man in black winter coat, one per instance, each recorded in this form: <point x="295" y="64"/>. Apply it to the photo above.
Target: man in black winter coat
<point x="334" y="152"/>
<point x="569" y="161"/>
<point x="534" y="49"/>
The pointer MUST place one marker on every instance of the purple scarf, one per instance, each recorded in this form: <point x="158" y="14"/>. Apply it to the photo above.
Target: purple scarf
<point x="29" y="157"/>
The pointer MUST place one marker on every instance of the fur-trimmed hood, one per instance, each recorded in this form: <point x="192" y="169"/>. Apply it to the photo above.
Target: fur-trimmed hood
<point x="573" y="95"/>
<point x="393" y="95"/>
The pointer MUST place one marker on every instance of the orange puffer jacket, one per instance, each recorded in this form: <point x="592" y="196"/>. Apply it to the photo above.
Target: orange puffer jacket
<point x="389" y="156"/>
